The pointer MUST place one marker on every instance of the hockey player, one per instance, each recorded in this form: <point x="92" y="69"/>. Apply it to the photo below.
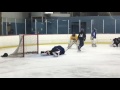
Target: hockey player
<point x="73" y="40"/>
<point x="55" y="51"/>
<point x="93" y="38"/>
<point x="119" y="40"/>
<point x="116" y="42"/>
<point x="81" y="38"/>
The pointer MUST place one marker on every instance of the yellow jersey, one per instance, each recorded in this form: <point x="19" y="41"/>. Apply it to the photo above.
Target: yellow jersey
<point x="74" y="37"/>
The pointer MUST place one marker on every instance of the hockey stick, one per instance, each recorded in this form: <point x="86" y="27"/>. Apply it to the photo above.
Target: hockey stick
<point x="66" y="49"/>
<point x="69" y="47"/>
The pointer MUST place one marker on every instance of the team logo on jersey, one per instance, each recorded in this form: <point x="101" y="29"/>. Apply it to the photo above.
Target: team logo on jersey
<point x="81" y="35"/>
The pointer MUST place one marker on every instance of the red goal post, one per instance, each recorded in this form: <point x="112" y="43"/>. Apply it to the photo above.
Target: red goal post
<point x="28" y="44"/>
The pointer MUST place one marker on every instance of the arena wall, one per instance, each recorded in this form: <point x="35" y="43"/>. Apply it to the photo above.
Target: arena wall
<point x="13" y="41"/>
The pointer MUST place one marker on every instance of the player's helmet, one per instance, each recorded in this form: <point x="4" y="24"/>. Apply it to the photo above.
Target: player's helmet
<point x="82" y="29"/>
<point x="73" y="34"/>
<point x="94" y="29"/>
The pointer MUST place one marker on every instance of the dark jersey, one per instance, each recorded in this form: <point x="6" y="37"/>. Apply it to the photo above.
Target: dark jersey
<point x="58" y="48"/>
<point x="116" y="41"/>
<point x="93" y="34"/>
<point x="119" y="40"/>
<point x="82" y="36"/>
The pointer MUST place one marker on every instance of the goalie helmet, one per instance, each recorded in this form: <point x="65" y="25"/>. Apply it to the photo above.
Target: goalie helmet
<point x="94" y="29"/>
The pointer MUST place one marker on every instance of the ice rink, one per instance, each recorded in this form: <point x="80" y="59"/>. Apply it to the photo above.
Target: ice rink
<point x="102" y="61"/>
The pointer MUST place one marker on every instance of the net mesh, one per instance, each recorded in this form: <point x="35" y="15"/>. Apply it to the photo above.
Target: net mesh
<point x="24" y="47"/>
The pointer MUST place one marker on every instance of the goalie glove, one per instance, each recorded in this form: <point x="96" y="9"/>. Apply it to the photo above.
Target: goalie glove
<point x="5" y="55"/>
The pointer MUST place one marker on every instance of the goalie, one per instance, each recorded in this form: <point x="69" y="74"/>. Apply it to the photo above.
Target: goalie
<point x="73" y="40"/>
<point x="55" y="51"/>
<point x="93" y="38"/>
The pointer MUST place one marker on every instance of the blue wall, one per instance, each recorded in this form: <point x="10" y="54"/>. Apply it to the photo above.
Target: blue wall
<point x="109" y="25"/>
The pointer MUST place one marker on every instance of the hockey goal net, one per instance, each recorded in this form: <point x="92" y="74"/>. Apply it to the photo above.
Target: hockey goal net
<point x="28" y="44"/>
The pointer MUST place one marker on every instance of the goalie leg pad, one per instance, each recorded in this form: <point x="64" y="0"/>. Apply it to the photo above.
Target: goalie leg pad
<point x="56" y="54"/>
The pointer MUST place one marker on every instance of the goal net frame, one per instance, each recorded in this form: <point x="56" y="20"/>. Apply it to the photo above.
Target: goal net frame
<point x="23" y="46"/>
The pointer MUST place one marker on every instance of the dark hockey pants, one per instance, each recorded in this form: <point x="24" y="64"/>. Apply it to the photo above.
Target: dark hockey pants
<point x="81" y="43"/>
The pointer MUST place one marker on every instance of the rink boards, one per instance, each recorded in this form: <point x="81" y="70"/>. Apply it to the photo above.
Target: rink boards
<point x="13" y="41"/>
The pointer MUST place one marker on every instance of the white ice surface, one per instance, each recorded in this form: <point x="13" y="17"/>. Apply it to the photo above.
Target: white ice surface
<point x="92" y="62"/>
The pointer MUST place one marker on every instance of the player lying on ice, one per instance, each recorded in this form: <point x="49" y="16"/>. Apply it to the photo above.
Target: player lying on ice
<point x="116" y="42"/>
<point x="73" y="40"/>
<point x="55" y="51"/>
